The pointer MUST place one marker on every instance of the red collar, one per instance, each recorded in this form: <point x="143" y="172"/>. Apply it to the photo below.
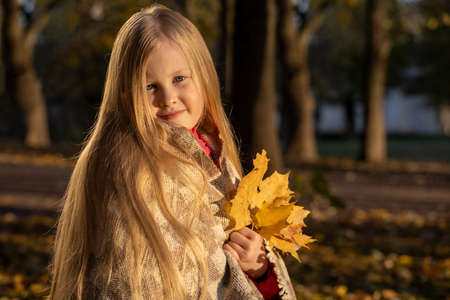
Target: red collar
<point x="201" y="141"/>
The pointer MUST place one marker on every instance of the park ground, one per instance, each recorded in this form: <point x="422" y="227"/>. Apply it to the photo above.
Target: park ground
<point x="391" y="241"/>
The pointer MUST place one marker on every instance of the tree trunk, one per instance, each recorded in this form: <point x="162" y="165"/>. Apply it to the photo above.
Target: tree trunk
<point x="350" y="126"/>
<point x="21" y="81"/>
<point x="32" y="103"/>
<point x="444" y="118"/>
<point x="294" y="46"/>
<point x="254" y="91"/>
<point x="378" y="47"/>
<point x="2" y="65"/>
<point x="225" y="56"/>
<point x="303" y="147"/>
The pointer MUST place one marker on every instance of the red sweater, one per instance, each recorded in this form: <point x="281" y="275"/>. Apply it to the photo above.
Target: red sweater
<point x="266" y="284"/>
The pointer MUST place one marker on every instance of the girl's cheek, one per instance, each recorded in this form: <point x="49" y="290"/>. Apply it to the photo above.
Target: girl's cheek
<point x="153" y="102"/>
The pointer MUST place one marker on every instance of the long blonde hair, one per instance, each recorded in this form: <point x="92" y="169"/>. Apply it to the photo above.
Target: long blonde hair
<point x="126" y="147"/>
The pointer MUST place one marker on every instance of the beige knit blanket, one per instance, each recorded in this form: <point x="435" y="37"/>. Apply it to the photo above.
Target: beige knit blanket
<point x="226" y="280"/>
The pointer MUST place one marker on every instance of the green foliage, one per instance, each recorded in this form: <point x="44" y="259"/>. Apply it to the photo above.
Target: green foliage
<point x="76" y="47"/>
<point x="420" y="32"/>
<point x="423" y="47"/>
<point x="432" y="49"/>
<point x="337" y="55"/>
<point x="205" y="16"/>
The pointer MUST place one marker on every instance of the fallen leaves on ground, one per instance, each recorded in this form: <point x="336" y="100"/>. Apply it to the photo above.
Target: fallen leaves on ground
<point x="25" y="246"/>
<point x="57" y="160"/>
<point x="364" y="255"/>
<point x="376" y="255"/>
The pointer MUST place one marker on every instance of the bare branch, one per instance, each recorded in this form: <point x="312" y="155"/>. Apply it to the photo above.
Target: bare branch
<point x="42" y="21"/>
<point x="52" y="5"/>
<point x="36" y="27"/>
<point x="315" y="22"/>
<point x="317" y="19"/>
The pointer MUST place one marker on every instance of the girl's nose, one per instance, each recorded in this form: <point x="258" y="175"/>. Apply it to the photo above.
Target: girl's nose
<point x="169" y="98"/>
<point x="169" y="102"/>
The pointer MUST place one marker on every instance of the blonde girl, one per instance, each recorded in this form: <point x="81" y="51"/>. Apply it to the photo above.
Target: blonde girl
<point x="143" y="213"/>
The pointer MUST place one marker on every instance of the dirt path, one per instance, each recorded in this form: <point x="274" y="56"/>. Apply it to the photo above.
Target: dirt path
<point x="28" y="189"/>
<point x="392" y="191"/>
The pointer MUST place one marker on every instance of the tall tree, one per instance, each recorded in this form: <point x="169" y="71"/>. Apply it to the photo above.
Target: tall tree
<point x="23" y="85"/>
<point x="377" y="49"/>
<point x="225" y="49"/>
<point x="253" y="89"/>
<point x="295" y="42"/>
<point x="294" y="46"/>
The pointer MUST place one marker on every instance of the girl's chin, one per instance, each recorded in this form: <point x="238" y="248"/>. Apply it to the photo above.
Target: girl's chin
<point x="178" y="124"/>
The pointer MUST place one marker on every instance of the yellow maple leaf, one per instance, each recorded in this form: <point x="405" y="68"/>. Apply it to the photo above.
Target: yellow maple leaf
<point x="247" y="191"/>
<point x="275" y="186"/>
<point x="268" y="231"/>
<point x="289" y="231"/>
<point x="268" y="215"/>
<point x="281" y="201"/>
<point x="298" y="215"/>
<point x="293" y="233"/>
<point x="284" y="246"/>
<point x="266" y="206"/>
<point x="302" y="240"/>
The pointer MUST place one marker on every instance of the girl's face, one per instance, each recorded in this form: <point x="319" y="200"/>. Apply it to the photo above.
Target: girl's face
<point x="171" y="89"/>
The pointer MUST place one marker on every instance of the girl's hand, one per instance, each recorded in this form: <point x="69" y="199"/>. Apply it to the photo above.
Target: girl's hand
<point x="248" y="248"/>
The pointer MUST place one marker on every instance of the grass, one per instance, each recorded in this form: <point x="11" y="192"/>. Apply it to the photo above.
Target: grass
<point x="405" y="148"/>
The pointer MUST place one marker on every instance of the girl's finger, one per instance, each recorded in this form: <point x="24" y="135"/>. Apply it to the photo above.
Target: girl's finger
<point x="232" y="251"/>
<point x="238" y="248"/>
<point x="248" y="233"/>
<point x="240" y="239"/>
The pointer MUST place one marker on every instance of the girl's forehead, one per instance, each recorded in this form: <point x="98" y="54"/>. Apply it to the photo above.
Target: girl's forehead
<point x="165" y="58"/>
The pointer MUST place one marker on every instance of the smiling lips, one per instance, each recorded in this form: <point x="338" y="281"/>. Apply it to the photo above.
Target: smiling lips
<point x="171" y="115"/>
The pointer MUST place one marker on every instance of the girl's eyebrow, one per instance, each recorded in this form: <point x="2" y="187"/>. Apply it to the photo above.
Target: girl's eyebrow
<point x="181" y="71"/>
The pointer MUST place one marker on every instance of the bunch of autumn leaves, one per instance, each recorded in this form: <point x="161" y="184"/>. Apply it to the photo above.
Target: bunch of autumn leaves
<point x="265" y="205"/>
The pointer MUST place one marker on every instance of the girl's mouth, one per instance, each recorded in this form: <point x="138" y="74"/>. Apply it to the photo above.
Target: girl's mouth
<point x="172" y="115"/>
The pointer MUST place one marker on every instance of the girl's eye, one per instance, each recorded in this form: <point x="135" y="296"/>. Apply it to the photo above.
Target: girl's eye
<point x="179" y="78"/>
<point x="150" y="87"/>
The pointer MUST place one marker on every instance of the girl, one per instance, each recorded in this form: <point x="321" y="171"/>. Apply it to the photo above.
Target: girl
<point x="143" y="215"/>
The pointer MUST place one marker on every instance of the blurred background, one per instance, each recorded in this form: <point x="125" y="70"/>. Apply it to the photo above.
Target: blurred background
<point x="352" y="96"/>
